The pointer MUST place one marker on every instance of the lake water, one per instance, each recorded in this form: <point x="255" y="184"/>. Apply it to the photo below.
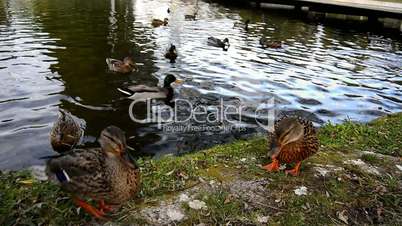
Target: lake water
<point x="52" y="55"/>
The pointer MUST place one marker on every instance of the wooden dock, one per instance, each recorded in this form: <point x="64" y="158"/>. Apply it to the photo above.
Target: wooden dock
<point x="369" y="8"/>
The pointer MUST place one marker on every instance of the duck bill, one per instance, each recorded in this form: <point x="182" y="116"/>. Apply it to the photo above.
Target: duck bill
<point x="179" y="82"/>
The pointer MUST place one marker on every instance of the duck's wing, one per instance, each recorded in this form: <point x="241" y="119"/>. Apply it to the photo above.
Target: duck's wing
<point x="113" y="63"/>
<point x="144" y="88"/>
<point x="80" y="171"/>
<point x="148" y="95"/>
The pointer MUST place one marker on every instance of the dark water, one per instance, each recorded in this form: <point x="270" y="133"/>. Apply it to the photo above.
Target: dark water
<point x="52" y="55"/>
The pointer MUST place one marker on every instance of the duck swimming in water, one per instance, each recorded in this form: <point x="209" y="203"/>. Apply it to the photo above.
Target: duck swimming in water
<point x="270" y="44"/>
<point x="125" y="66"/>
<point x="104" y="174"/>
<point x="158" y="22"/>
<point x="190" y="17"/>
<point x="143" y="92"/>
<point x="216" y="42"/>
<point x="171" y="54"/>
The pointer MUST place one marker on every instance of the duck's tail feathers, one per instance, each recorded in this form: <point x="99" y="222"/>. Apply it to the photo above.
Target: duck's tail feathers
<point x="126" y="92"/>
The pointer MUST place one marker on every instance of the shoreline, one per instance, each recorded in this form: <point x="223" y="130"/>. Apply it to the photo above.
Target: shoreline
<point x="355" y="178"/>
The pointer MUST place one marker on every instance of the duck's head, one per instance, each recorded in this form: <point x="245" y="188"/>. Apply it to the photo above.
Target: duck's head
<point x="226" y="44"/>
<point x="169" y="79"/>
<point x="172" y="48"/>
<point x="129" y="61"/>
<point x="165" y="21"/>
<point x="113" y="141"/>
<point x="289" y="130"/>
<point x="246" y="24"/>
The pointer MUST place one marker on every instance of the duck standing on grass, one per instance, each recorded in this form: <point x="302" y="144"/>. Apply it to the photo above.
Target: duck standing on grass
<point x="294" y="140"/>
<point x="143" y="92"/>
<point x="158" y="22"/>
<point x="171" y="54"/>
<point x="216" y="42"/>
<point x="124" y="67"/>
<point x="66" y="132"/>
<point x="104" y="174"/>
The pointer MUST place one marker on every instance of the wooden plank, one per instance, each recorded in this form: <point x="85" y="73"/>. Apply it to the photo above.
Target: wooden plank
<point x="391" y="7"/>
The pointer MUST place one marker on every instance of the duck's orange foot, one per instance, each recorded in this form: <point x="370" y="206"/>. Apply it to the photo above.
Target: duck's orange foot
<point x="90" y="209"/>
<point x="272" y="167"/>
<point x="295" y="171"/>
<point x="104" y="207"/>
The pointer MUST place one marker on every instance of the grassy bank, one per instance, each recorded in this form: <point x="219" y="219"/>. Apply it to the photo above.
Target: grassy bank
<point x="354" y="179"/>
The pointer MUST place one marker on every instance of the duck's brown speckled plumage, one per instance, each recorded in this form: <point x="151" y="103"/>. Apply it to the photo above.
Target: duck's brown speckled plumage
<point x="93" y="173"/>
<point x="301" y="149"/>
<point x="105" y="174"/>
<point x="66" y="133"/>
<point x="289" y="146"/>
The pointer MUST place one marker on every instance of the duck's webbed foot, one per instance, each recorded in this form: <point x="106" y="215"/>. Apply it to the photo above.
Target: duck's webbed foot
<point x="295" y="171"/>
<point x="273" y="166"/>
<point x="89" y="208"/>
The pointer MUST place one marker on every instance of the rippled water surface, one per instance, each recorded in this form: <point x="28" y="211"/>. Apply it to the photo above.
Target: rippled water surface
<point x="52" y="55"/>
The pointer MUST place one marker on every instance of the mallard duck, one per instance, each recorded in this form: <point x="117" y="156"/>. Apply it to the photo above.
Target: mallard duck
<point x="158" y="22"/>
<point x="270" y="44"/>
<point x="219" y="43"/>
<point x="124" y="67"/>
<point x="103" y="174"/>
<point x="143" y="92"/>
<point x="294" y="140"/>
<point x="171" y="54"/>
<point x="190" y="17"/>
<point x="66" y="133"/>
<point x="246" y="24"/>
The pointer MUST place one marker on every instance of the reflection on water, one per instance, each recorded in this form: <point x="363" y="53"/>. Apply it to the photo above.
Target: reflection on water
<point x="52" y="55"/>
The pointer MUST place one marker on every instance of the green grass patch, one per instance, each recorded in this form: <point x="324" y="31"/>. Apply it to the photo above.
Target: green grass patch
<point x="24" y="201"/>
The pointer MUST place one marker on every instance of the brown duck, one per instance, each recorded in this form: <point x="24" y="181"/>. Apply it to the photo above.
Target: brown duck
<point x="67" y="132"/>
<point x="293" y="140"/>
<point x="105" y="174"/>
<point x="158" y="22"/>
<point x="171" y="53"/>
<point x="124" y="66"/>
<point x="270" y="44"/>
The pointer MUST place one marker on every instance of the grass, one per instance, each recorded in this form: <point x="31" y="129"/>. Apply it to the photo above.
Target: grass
<point x="361" y="197"/>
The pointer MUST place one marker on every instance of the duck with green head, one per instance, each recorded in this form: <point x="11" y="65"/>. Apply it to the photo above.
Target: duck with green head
<point x="143" y="92"/>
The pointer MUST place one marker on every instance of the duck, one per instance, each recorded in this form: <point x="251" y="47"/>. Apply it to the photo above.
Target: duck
<point x="124" y="66"/>
<point x="216" y="42"/>
<point x="171" y="53"/>
<point x="294" y="140"/>
<point x="143" y="92"/>
<point x="66" y="133"/>
<point x="190" y="17"/>
<point x="270" y="44"/>
<point x="246" y="24"/>
<point x="104" y="174"/>
<point x="158" y="22"/>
